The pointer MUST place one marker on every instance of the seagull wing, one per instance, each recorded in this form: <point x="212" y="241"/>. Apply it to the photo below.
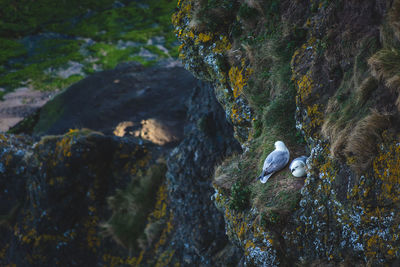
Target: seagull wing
<point x="275" y="161"/>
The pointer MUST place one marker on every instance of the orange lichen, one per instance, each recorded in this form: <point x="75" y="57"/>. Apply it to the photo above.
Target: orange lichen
<point x="184" y="9"/>
<point x="238" y="78"/>
<point x="316" y="120"/>
<point x="249" y="244"/>
<point x="117" y="261"/>
<point x="304" y="87"/>
<point x="63" y="146"/>
<point x="386" y="168"/>
<point x="222" y="45"/>
<point x="203" y="38"/>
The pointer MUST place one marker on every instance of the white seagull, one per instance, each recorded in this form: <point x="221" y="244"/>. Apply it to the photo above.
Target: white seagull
<point x="298" y="166"/>
<point x="275" y="161"/>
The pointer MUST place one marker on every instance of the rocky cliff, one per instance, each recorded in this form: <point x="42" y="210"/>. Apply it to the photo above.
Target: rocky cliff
<point x="180" y="188"/>
<point x="322" y="76"/>
<point x="88" y="198"/>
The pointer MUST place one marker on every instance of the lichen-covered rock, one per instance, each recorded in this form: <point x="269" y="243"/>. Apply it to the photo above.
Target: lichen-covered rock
<point x="65" y="194"/>
<point x="204" y="52"/>
<point x="342" y="59"/>
<point x="55" y="210"/>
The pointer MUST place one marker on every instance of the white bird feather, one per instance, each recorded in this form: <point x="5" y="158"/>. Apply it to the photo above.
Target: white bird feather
<point x="275" y="161"/>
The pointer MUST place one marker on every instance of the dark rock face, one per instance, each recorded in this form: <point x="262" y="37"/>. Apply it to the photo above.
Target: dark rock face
<point x="200" y="230"/>
<point x="57" y="196"/>
<point x="54" y="192"/>
<point x="342" y="59"/>
<point x="128" y="93"/>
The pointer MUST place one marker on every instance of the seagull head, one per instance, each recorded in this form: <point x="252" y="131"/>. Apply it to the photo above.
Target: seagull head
<point x="298" y="168"/>
<point x="279" y="145"/>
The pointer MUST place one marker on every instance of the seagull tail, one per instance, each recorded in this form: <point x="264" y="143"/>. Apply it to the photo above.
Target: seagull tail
<point x="265" y="178"/>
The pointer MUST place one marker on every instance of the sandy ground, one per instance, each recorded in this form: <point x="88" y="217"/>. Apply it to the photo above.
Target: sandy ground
<point x="19" y="104"/>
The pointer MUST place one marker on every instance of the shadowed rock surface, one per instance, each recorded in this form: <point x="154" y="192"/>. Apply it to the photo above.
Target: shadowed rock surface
<point x="200" y="233"/>
<point x="129" y="93"/>
<point x="327" y="71"/>
<point x="54" y="192"/>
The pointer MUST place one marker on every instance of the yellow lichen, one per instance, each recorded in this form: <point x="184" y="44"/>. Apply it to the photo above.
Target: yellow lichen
<point x="222" y="45"/>
<point x="316" y="120"/>
<point x="165" y="258"/>
<point x="304" y="87"/>
<point x="184" y="9"/>
<point x="386" y="168"/>
<point x="164" y="235"/>
<point x="203" y="38"/>
<point x="160" y="209"/>
<point x="238" y="78"/>
<point x="249" y="244"/>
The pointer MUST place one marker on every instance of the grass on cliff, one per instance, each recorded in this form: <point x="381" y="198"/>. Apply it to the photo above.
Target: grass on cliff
<point x="131" y="206"/>
<point x="237" y="175"/>
<point x="356" y="116"/>
<point x="271" y="94"/>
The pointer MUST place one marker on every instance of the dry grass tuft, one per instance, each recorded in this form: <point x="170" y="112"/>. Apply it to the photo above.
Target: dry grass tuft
<point x="341" y="138"/>
<point x="365" y="89"/>
<point x="224" y="181"/>
<point x="363" y="140"/>
<point x="196" y="22"/>
<point x="385" y="65"/>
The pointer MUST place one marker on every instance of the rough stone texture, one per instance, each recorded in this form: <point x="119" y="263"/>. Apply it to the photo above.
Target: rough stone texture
<point x="129" y="92"/>
<point x="57" y="196"/>
<point x="54" y="191"/>
<point x="199" y="233"/>
<point x="348" y="210"/>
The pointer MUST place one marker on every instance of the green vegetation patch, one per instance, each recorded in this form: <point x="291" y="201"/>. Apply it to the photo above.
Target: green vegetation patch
<point x="132" y="205"/>
<point x="49" y="114"/>
<point x="39" y="38"/>
<point x="271" y="95"/>
<point x="10" y="48"/>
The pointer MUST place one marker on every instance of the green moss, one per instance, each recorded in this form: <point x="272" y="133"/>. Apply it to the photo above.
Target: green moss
<point x="155" y="50"/>
<point x="132" y="205"/>
<point x="240" y="194"/>
<point x="109" y="55"/>
<point x="141" y="35"/>
<point x="272" y="72"/>
<point x="279" y="114"/>
<point x="47" y="54"/>
<point x="136" y="21"/>
<point x="26" y="125"/>
<point x="19" y="18"/>
<point x="133" y="22"/>
<point x="143" y="61"/>
<point x="10" y="49"/>
<point x="49" y="114"/>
